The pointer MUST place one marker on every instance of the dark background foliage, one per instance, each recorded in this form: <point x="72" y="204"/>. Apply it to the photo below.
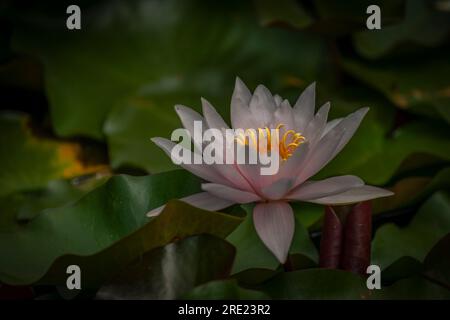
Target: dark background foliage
<point x="78" y="171"/>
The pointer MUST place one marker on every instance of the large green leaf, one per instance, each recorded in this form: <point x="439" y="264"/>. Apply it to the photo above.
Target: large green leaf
<point x="166" y="51"/>
<point x="251" y="253"/>
<point x="437" y="262"/>
<point x="415" y="288"/>
<point x="415" y="240"/>
<point x="92" y="226"/>
<point x="29" y="161"/>
<point x="224" y="290"/>
<point x="173" y="270"/>
<point x="336" y="284"/>
<point x="423" y="24"/>
<point x="403" y="82"/>
<point x="20" y="207"/>
<point x="379" y="164"/>
<point x="316" y="284"/>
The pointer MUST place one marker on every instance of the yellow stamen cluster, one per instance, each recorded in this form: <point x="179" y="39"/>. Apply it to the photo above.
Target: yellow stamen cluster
<point x="290" y="141"/>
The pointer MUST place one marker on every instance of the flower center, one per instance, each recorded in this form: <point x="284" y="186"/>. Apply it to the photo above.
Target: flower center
<point x="261" y="139"/>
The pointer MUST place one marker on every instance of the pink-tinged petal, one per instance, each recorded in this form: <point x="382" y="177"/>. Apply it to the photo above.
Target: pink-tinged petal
<point x="277" y="99"/>
<point x="188" y="117"/>
<point x="319" y="156"/>
<point x="262" y="106"/>
<point x="350" y="124"/>
<point x="284" y="115"/>
<point x="202" y="200"/>
<point x="293" y="165"/>
<point x="231" y="194"/>
<point x="330" y="125"/>
<point x="241" y="91"/>
<point x="355" y="195"/>
<point x="212" y="117"/>
<point x="278" y="189"/>
<point x="315" y="128"/>
<point x="204" y="171"/>
<point x="304" y="107"/>
<point x="324" y="188"/>
<point x="275" y="223"/>
<point x="241" y="117"/>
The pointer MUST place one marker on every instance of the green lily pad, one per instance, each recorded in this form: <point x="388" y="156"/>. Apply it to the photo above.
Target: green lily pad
<point x="317" y="284"/>
<point x="428" y="226"/>
<point x="29" y="162"/>
<point x="415" y="288"/>
<point x="173" y="270"/>
<point x="402" y="82"/>
<point x="224" y="290"/>
<point x="422" y="25"/>
<point x="106" y="227"/>
<point x="133" y="48"/>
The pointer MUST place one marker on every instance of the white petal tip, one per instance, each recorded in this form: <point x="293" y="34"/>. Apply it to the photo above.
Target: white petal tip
<point x="155" y="212"/>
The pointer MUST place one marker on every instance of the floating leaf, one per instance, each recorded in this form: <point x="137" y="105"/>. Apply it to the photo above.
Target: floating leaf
<point x="29" y="162"/>
<point x="171" y="271"/>
<point x="423" y="25"/>
<point x="224" y="290"/>
<point x="430" y="224"/>
<point x="106" y="227"/>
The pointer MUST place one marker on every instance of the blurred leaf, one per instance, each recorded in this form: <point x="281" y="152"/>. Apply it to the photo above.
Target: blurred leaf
<point x="171" y="271"/>
<point x="23" y="206"/>
<point x="106" y="227"/>
<point x="382" y="161"/>
<point x="288" y="12"/>
<point x="430" y="224"/>
<point x="224" y="290"/>
<point x="165" y="51"/>
<point x="437" y="262"/>
<point x="415" y="288"/>
<point x="403" y="81"/>
<point x="405" y="267"/>
<point x="316" y="284"/>
<point x="252" y="253"/>
<point x="412" y="190"/>
<point x="29" y="162"/>
<point x="343" y="17"/>
<point x="422" y="25"/>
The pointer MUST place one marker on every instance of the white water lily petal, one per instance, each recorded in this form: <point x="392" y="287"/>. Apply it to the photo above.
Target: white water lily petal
<point x="231" y="194"/>
<point x="241" y="117"/>
<point x="304" y="107"/>
<point x="277" y="99"/>
<point x="262" y="106"/>
<point x="292" y="166"/>
<point x="330" y="125"/>
<point x="320" y="155"/>
<point x="212" y="117"/>
<point x="323" y="188"/>
<point x="315" y="128"/>
<point x="204" y="171"/>
<point x="202" y="200"/>
<point x="355" y="195"/>
<point x="241" y="91"/>
<point x="188" y="117"/>
<point x="275" y="223"/>
<point x="277" y="189"/>
<point x="284" y="115"/>
<point x="350" y="124"/>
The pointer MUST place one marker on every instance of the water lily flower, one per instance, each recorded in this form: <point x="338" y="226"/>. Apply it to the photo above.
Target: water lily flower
<point x="308" y="142"/>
